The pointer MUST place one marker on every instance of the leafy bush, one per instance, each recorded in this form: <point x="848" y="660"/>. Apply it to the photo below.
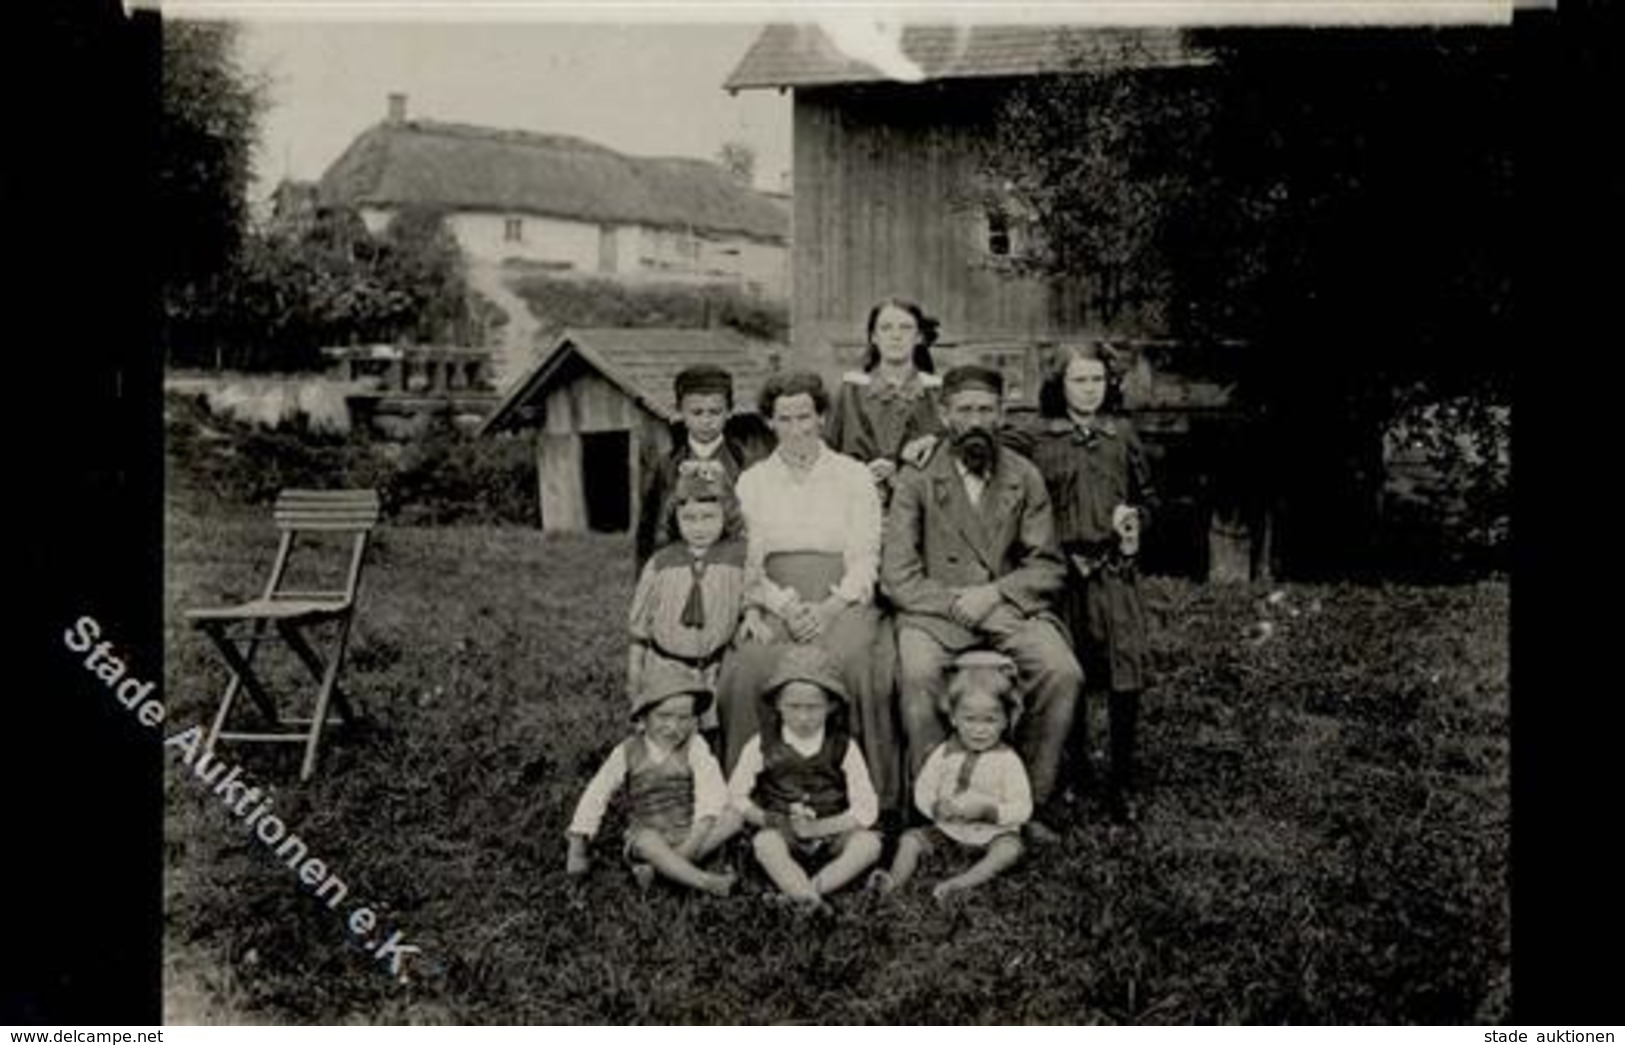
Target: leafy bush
<point x="287" y="294"/>
<point x="1449" y="488"/>
<point x="443" y="476"/>
<point x="607" y="303"/>
<point x="449" y="476"/>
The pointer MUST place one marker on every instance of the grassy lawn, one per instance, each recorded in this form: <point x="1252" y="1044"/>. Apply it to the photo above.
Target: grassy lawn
<point x="1325" y="837"/>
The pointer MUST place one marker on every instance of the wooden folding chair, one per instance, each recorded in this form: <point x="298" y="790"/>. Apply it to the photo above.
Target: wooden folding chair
<point x="284" y="613"/>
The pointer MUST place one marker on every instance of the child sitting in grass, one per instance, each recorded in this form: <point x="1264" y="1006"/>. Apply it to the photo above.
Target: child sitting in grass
<point x="802" y="782"/>
<point x="674" y="787"/>
<point x="972" y="786"/>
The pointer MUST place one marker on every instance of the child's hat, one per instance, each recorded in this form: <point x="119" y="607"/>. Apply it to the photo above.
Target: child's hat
<point x="806" y="664"/>
<point x="662" y="682"/>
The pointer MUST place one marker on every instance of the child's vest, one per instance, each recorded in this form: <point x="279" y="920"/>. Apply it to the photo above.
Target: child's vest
<point x="661" y="794"/>
<point x="787" y="776"/>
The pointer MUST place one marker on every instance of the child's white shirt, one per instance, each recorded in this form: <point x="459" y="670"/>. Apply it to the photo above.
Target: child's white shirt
<point x="710" y="790"/>
<point x="998" y="774"/>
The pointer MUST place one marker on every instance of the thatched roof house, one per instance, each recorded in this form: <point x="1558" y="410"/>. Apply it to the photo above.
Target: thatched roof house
<point x="465" y="167"/>
<point x="600" y="402"/>
<point x="563" y="201"/>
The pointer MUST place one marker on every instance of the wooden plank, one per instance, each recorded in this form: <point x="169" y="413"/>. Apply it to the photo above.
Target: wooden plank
<point x="302" y="519"/>
<point x="564" y="499"/>
<point x="558" y="412"/>
<point x="601" y="406"/>
<point x="541" y="517"/>
<point x="634" y="473"/>
<point x="264" y="737"/>
<point x="1229" y="549"/>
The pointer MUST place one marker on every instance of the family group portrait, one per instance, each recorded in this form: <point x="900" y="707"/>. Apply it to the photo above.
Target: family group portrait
<point x="852" y="521"/>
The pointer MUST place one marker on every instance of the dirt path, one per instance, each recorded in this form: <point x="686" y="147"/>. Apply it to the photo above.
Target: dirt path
<point x="519" y="335"/>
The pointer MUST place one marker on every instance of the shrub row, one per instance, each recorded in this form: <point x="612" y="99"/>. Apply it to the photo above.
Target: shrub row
<point x="443" y="476"/>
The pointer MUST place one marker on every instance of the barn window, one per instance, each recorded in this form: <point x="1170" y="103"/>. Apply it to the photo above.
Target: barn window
<point x="513" y="230"/>
<point x="1007" y="228"/>
<point x="998" y="233"/>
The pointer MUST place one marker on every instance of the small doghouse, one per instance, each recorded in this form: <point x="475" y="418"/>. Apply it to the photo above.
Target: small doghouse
<point x="600" y="401"/>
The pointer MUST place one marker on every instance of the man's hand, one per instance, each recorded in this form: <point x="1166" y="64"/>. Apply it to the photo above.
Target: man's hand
<point x="882" y="468"/>
<point x="972" y="605"/>
<point x="755" y="628"/>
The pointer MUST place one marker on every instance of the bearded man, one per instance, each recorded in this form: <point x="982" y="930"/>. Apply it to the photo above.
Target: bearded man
<point x="970" y="561"/>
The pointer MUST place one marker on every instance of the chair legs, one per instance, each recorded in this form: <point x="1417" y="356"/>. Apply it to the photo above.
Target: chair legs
<point x="329" y="689"/>
<point x="242" y="677"/>
<point x="324" y="672"/>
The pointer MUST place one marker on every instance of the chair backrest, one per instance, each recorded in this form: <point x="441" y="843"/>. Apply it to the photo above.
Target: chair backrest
<point x="341" y="512"/>
<point x="327" y="509"/>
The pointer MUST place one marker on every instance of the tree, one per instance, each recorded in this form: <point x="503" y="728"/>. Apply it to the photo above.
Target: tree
<point x="422" y="261"/>
<point x="1332" y="200"/>
<point x="209" y="123"/>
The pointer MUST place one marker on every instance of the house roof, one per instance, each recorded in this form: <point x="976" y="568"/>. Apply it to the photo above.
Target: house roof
<point x="806" y="55"/>
<point x="479" y="168"/>
<point x="640" y="361"/>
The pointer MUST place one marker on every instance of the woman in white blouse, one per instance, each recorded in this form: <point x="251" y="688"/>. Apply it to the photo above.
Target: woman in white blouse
<point x="812" y="528"/>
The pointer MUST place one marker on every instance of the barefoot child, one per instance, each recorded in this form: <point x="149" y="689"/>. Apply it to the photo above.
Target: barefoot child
<point x="972" y="786"/>
<point x="802" y="782"/>
<point x="674" y="787"/>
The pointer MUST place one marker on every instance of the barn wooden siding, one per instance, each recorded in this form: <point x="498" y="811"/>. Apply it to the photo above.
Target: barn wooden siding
<point x="886" y="204"/>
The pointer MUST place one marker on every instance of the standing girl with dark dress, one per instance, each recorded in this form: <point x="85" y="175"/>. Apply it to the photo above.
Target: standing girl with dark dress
<point x="1100" y="486"/>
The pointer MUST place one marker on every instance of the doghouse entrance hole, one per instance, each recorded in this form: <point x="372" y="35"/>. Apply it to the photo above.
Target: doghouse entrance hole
<point x="607" y="479"/>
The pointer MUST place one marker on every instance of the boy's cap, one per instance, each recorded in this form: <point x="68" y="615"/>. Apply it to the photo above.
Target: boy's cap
<point x="806" y="664"/>
<point x="971" y="375"/>
<point x="703" y="379"/>
<point x="663" y="682"/>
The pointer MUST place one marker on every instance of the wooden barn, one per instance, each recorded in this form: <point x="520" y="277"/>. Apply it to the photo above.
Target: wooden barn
<point x="601" y="400"/>
<point x="1389" y="145"/>
<point x="892" y="199"/>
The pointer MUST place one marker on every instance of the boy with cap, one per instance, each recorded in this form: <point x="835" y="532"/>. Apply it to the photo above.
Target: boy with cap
<point x="704" y="431"/>
<point x="803" y="784"/>
<point x="674" y="788"/>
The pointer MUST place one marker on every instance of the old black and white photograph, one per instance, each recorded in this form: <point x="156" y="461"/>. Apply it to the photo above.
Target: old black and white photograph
<point x="843" y="517"/>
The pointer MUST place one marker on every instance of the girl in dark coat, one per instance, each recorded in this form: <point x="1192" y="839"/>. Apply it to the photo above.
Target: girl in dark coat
<point x="1100" y="486"/>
